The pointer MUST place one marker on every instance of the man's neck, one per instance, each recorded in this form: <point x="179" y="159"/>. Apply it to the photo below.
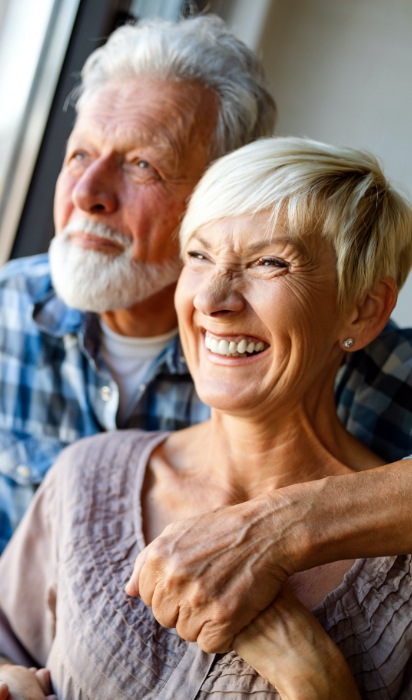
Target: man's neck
<point x="151" y="317"/>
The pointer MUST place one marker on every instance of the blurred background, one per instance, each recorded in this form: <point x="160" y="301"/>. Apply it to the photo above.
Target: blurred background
<point x="340" y="71"/>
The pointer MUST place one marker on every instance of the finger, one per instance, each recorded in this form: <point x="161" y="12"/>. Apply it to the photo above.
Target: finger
<point x="153" y="578"/>
<point x="132" y="587"/>
<point x="188" y="625"/>
<point x="215" y="640"/>
<point x="207" y="626"/>
<point x="43" y="678"/>
<point x="165" y="607"/>
<point x="4" y="690"/>
<point x="148" y="579"/>
<point x="218" y="630"/>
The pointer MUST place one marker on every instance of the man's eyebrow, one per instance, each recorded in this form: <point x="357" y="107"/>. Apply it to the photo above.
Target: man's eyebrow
<point x="132" y="137"/>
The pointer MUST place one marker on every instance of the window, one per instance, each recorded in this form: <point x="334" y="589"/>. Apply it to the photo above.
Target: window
<point x="33" y="41"/>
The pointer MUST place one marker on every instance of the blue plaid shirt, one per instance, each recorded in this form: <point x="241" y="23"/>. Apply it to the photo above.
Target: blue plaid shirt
<point x="56" y="388"/>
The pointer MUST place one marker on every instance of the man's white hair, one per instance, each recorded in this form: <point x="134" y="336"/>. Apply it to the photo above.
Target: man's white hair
<point x="199" y="49"/>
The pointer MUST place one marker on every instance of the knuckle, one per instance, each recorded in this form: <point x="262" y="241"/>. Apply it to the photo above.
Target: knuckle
<point x="199" y="595"/>
<point x="155" y="551"/>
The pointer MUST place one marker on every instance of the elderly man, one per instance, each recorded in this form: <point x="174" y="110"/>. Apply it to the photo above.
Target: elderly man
<point x="89" y="339"/>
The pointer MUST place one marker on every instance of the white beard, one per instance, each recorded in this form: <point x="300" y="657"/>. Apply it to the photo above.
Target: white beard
<point x="90" y="280"/>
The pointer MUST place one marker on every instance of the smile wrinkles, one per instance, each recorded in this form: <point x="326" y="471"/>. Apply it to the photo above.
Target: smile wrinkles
<point x="241" y="347"/>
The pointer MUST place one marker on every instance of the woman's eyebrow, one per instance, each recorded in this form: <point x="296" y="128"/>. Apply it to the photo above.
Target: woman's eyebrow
<point x="266" y="242"/>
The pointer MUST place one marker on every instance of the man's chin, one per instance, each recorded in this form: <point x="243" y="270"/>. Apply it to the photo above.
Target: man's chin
<point x="98" y="300"/>
<point x="99" y="283"/>
<point x="96" y="304"/>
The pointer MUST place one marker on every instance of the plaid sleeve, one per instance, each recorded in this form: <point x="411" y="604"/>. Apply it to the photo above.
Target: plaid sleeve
<point x="374" y="393"/>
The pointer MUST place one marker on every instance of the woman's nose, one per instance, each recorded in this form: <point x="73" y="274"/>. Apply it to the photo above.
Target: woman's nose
<point x="219" y="295"/>
<point x="95" y="191"/>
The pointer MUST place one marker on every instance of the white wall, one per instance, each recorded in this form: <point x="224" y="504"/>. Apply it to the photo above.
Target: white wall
<point x="341" y="72"/>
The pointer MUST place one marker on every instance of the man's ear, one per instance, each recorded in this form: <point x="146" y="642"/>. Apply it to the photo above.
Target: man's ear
<point x="368" y="318"/>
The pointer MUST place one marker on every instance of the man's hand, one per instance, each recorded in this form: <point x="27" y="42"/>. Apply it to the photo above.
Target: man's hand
<point x="210" y="575"/>
<point x="288" y="647"/>
<point x="21" y="683"/>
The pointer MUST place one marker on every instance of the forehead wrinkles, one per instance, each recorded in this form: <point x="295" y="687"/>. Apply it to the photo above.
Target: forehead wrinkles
<point x="165" y="116"/>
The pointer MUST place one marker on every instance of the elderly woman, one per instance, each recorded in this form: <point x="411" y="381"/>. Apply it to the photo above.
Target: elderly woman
<point x="293" y="253"/>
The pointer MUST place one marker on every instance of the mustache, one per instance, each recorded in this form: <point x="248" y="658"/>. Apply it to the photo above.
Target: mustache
<point x="96" y="228"/>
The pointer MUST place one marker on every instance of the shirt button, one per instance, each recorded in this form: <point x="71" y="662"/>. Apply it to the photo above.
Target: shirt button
<point x="182" y="360"/>
<point x="142" y="387"/>
<point x="105" y="393"/>
<point x="23" y="471"/>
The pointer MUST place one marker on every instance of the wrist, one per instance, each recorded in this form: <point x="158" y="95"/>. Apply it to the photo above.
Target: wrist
<point x="299" y="524"/>
<point x="345" y="517"/>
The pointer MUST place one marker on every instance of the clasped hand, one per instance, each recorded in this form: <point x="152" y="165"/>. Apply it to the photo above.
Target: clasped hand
<point x="207" y="580"/>
<point x="20" y="683"/>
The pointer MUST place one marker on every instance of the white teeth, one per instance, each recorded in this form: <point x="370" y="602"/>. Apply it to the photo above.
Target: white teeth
<point x="223" y="348"/>
<point x="227" y="348"/>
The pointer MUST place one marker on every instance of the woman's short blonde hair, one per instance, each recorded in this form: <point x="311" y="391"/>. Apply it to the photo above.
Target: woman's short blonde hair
<point x="338" y="193"/>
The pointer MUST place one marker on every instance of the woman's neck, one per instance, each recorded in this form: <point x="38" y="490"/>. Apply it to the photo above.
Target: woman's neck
<point x="249" y="456"/>
<point x="231" y="459"/>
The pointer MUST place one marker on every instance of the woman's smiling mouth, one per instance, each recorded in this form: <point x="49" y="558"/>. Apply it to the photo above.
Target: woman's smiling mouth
<point x="241" y="347"/>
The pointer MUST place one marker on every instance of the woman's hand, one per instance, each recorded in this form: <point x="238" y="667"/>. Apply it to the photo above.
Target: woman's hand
<point x="21" y="683"/>
<point x="4" y="691"/>
<point x="286" y="645"/>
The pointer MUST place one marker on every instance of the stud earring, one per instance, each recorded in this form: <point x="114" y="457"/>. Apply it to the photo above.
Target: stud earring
<point x="348" y="343"/>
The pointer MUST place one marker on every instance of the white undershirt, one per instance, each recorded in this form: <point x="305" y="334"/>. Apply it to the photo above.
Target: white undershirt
<point x="129" y="360"/>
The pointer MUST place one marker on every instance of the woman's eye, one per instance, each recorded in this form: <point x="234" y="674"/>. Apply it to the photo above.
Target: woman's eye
<point x="272" y="262"/>
<point x="195" y="255"/>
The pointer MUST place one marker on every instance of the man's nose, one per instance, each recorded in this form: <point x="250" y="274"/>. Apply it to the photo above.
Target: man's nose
<point x="220" y="295"/>
<point x="95" y="191"/>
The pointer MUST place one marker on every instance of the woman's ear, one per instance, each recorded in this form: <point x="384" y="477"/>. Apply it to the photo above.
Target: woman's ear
<point x="369" y="317"/>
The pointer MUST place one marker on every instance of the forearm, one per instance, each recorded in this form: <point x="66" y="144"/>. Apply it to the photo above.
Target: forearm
<point x="344" y="517"/>
<point x="288" y="647"/>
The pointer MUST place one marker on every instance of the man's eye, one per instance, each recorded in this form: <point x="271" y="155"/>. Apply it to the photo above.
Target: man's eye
<point x="142" y="164"/>
<point x="143" y="169"/>
<point x="77" y="161"/>
<point x="77" y="155"/>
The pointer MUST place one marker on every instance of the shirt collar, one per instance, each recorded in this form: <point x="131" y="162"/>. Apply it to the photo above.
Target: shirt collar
<point x="173" y="359"/>
<point x="54" y="317"/>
